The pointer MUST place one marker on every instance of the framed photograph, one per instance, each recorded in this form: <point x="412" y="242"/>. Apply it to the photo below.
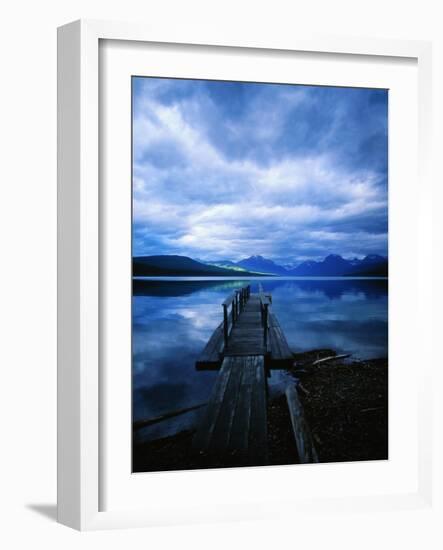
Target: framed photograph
<point x="235" y="291"/>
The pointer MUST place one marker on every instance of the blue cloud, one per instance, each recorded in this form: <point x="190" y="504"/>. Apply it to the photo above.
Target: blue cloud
<point x="227" y="169"/>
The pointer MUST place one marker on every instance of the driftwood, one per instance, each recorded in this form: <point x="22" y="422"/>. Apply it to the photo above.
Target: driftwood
<point x="305" y="446"/>
<point x="138" y="424"/>
<point x="371" y="409"/>
<point x="331" y="358"/>
<point x="303" y="389"/>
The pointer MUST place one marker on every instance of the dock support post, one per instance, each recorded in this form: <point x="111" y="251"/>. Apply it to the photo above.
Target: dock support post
<point x="265" y="325"/>
<point x="225" y="324"/>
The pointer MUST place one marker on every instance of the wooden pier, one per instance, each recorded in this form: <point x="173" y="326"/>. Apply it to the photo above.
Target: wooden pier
<point x="248" y="328"/>
<point x="247" y="343"/>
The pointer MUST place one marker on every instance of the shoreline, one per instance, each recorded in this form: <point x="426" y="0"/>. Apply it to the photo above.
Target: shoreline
<point x="346" y="407"/>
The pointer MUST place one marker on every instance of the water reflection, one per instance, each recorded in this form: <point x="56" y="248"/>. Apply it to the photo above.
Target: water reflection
<point x="172" y="321"/>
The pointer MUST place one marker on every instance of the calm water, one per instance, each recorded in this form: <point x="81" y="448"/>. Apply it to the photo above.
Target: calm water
<point x="173" y="319"/>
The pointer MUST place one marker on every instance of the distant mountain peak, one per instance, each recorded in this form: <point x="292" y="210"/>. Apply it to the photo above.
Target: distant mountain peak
<point x="335" y="265"/>
<point x="263" y="265"/>
<point x="334" y="257"/>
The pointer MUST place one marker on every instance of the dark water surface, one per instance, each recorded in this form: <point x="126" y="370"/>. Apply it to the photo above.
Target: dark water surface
<point x="173" y="319"/>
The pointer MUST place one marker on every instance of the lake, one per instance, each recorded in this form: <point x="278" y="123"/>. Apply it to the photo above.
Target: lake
<point x="174" y="318"/>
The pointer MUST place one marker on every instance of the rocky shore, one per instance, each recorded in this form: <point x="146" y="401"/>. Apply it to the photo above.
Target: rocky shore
<point x="345" y="403"/>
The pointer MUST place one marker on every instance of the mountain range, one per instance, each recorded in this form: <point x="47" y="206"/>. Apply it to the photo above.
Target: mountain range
<point x="333" y="265"/>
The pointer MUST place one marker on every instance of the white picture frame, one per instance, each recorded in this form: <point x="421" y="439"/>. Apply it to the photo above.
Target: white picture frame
<point x="80" y="445"/>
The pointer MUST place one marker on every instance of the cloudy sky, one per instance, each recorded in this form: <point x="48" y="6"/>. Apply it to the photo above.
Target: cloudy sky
<point x="225" y="170"/>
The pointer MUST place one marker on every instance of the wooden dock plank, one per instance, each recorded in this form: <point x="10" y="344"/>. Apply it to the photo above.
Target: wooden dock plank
<point x="239" y="436"/>
<point x="280" y="352"/>
<point x="235" y="419"/>
<point x="210" y="356"/>
<point x="203" y="436"/>
<point x="246" y="337"/>
<point x="223" y="424"/>
<point x="258" y="436"/>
